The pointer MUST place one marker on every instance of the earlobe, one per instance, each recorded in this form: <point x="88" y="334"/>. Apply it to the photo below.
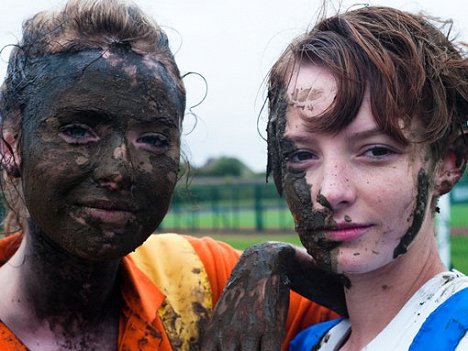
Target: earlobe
<point x="451" y="168"/>
<point x="9" y="156"/>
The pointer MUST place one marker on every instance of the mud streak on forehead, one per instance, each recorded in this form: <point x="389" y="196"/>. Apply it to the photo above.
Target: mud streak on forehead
<point x="303" y="97"/>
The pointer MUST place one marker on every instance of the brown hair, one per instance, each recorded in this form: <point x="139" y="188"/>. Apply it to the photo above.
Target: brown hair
<point x="410" y="68"/>
<point x="80" y="25"/>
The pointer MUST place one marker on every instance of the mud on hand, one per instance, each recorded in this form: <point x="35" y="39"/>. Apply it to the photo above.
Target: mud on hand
<point x="252" y="311"/>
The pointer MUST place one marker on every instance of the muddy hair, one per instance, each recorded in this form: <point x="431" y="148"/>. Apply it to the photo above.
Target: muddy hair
<point x="412" y="70"/>
<point x="80" y="25"/>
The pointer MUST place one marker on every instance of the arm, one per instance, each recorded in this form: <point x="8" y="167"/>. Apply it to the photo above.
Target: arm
<point x="251" y="314"/>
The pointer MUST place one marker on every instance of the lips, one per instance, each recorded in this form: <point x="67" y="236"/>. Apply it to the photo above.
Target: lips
<point x="105" y="211"/>
<point x="346" y="232"/>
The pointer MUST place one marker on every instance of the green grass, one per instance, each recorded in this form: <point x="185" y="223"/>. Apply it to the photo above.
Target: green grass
<point x="243" y="241"/>
<point x="459" y="245"/>
<point x="240" y="218"/>
<point x="459" y="251"/>
<point x="244" y="218"/>
<point x="459" y="216"/>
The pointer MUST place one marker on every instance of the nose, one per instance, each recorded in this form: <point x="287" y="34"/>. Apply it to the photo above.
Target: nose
<point x="336" y="189"/>
<point x="113" y="171"/>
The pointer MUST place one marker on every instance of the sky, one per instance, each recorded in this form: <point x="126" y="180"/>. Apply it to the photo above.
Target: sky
<point x="230" y="46"/>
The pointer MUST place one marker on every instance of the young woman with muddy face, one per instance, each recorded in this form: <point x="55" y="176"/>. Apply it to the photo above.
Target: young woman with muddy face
<point x="366" y="128"/>
<point x="91" y="136"/>
<point x="91" y="111"/>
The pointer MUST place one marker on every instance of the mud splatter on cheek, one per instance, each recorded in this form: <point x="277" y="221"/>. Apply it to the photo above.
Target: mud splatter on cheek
<point x="81" y="160"/>
<point x="309" y="222"/>
<point x="422" y="199"/>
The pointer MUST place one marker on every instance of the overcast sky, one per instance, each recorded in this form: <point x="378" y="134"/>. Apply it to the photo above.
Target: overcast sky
<point x="232" y="43"/>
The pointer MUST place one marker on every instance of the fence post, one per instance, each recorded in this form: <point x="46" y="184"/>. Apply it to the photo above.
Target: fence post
<point x="258" y="208"/>
<point x="443" y="229"/>
<point x="215" y="207"/>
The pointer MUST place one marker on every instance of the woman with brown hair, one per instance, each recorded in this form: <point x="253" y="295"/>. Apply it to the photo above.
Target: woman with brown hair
<point x="367" y="129"/>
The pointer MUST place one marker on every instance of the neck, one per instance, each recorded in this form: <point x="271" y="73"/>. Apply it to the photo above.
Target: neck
<point x="375" y="298"/>
<point x="53" y="287"/>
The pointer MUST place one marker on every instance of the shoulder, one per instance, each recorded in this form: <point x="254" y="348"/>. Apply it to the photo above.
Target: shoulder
<point x="9" y="341"/>
<point x="447" y="325"/>
<point x="209" y="246"/>
<point x="206" y="248"/>
<point x="463" y="344"/>
<point x="177" y="252"/>
<point x="8" y="246"/>
<point x="312" y="336"/>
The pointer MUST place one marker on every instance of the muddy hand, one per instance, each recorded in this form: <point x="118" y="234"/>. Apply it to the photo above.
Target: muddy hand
<point x="251" y="313"/>
<point x="323" y="287"/>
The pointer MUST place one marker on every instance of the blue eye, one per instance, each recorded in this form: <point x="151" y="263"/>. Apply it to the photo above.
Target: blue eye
<point x="153" y="142"/>
<point x="78" y="134"/>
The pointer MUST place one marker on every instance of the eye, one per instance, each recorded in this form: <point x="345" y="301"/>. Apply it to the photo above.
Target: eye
<point x="378" y="151"/>
<point x="153" y="142"/>
<point x="78" y="134"/>
<point x="301" y="156"/>
<point x="300" y="160"/>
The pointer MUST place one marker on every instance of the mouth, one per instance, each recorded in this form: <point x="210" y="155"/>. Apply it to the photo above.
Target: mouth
<point x="343" y="232"/>
<point x="105" y="211"/>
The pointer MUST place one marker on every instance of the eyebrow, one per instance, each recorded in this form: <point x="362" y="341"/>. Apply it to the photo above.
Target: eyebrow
<point x="100" y="116"/>
<point x="88" y="113"/>
<point x="304" y="137"/>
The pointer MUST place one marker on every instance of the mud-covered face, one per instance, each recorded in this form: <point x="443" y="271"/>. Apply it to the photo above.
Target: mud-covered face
<point x="100" y="150"/>
<point x="358" y="197"/>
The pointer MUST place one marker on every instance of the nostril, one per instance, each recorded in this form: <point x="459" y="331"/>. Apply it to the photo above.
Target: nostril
<point x="322" y="200"/>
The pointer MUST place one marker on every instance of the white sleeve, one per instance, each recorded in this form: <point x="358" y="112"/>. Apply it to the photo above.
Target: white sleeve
<point x="463" y="344"/>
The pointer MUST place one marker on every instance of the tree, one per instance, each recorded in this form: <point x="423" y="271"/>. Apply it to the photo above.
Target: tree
<point x="222" y="167"/>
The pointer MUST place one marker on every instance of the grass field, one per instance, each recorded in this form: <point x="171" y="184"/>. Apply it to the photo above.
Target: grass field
<point x="279" y="220"/>
<point x="246" y="218"/>
<point x="459" y="245"/>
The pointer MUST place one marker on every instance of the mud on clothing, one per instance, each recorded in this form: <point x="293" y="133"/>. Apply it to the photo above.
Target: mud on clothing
<point x="168" y="288"/>
<point x="435" y="318"/>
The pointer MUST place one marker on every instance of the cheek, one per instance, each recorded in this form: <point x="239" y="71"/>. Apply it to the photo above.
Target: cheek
<point x="155" y="180"/>
<point x="54" y="167"/>
<point x="309" y="220"/>
<point x="419" y="210"/>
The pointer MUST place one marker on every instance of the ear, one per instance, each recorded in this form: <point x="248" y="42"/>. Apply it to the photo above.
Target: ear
<point x="451" y="166"/>
<point x="9" y="154"/>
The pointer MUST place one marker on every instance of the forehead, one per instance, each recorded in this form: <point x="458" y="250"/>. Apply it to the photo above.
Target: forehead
<point x="310" y="92"/>
<point x="116" y="83"/>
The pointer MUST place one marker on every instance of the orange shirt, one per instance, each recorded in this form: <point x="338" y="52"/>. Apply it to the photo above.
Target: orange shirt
<point x="140" y="327"/>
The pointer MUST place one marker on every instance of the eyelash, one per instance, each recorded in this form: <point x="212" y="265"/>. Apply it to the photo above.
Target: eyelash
<point x="156" y="143"/>
<point x="301" y="156"/>
<point x="87" y="134"/>
<point x="388" y="151"/>
<point x="300" y="159"/>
